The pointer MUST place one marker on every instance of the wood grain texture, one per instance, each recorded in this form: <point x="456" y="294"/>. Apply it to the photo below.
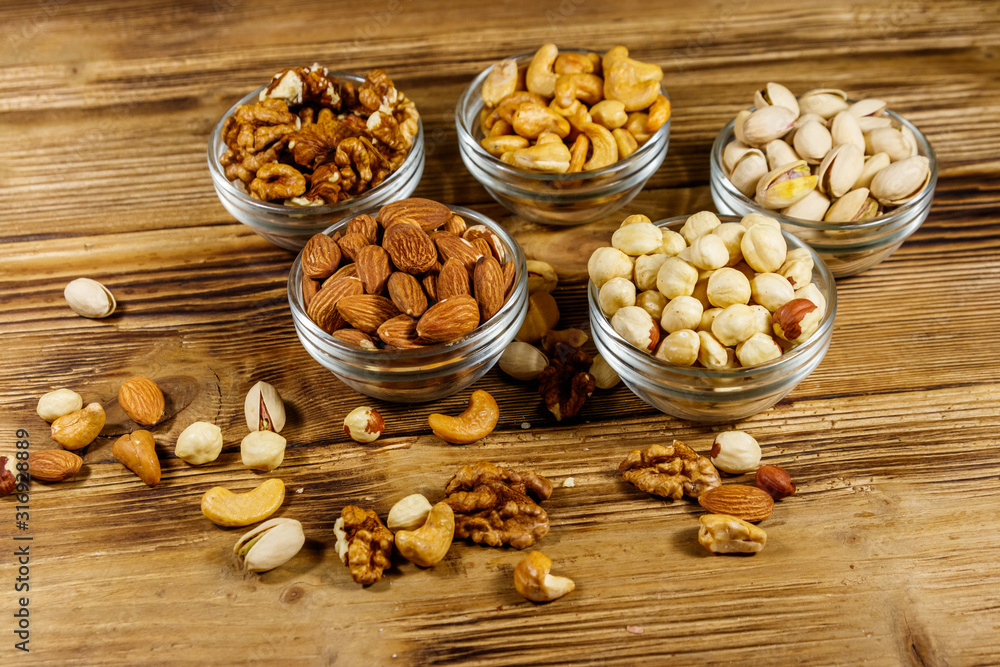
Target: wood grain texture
<point x="886" y="555"/>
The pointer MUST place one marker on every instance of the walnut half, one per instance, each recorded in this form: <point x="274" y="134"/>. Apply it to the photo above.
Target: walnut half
<point x="670" y="471"/>
<point x="363" y="543"/>
<point x="492" y="505"/>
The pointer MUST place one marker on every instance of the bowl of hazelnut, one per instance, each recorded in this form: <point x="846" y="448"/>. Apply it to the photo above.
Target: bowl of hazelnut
<point x="710" y="318"/>
<point x="314" y="147"/>
<point x="851" y="178"/>
<point x="564" y="136"/>
<point x="410" y="302"/>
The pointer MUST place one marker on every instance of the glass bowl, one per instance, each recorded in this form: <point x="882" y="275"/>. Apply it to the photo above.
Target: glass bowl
<point x="423" y="374"/>
<point x="556" y="199"/>
<point x="847" y="249"/>
<point x="290" y="227"/>
<point x="705" y="395"/>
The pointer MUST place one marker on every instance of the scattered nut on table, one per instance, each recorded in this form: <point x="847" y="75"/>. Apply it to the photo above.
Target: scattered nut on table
<point x="745" y="502"/>
<point x="262" y="450"/>
<point x="78" y="429"/>
<point x="409" y="513"/>
<point x="363" y="544"/>
<point x="142" y="400"/>
<point x="199" y="443"/>
<point x="722" y="534"/>
<point x="53" y="465"/>
<point x="8" y="484"/>
<point x="775" y="481"/>
<point x="492" y="505"/>
<point x="670" y="471"/>
<point x="522" y="361"/>
<point x="225" y="508"/>
<point x="571" y="112"/>
<point x="533" y="582"/>
<point x="263" y="408"/>
<point x="475" y="423"/>
<point x="428" y="544"/>
<point x="58" y="403"/>
<point x="137" y="452"/>
<point x="735" y="452"/>
<point x="823" y="157"/>
<point x="270" y="545"/>
<point x="313" y="139"/>
<point x="723" y="295"/>
<point x="364" y="424"/>
<point x="89" y="298"/>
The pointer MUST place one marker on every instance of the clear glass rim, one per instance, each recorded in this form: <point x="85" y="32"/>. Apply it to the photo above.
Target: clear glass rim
<point x="900" y="215"/>
<point x="267" y="208"/>
<point x="637" y="358"/>
<point x="468" y="142"/>
<point x="412" y="356"/>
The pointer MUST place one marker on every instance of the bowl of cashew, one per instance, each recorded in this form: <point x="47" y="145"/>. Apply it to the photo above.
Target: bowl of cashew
<point x="564" y="136"/>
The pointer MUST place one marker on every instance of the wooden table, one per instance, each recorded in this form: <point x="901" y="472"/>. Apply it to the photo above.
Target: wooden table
<point x="887" y="554"/>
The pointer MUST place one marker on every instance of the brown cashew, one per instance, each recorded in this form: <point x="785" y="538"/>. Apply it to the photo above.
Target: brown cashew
<point x="605" y="149"/>
<point x="500" y="82"/>
<point x="587" y="88"/>
<point x="540" y="77"/>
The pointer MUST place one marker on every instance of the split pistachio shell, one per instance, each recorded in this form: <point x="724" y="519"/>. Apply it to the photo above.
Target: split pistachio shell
<point x="767" y="124"/>
<point x="263" y="408"/>
<point x="840" y="169"/>
<point x="867" y="107"/>
<point x="785" y="185"/>
<point x="733" y="151"/>
<point x="855" y="206"/>
<point x="89" y="298"/>
<point x="869" y="123"/>
<point x="748" y="171"/>
<point x="812" y="141"/>
<point x="738" y="125"/>
<point x="899" y="143"/>
<point x="269" y="545"/>
<point x="844" y="129"/>
<point x="774" y="94"/>
<point x="811" y="207"/>
<point x="901" y="181"/>
<point x="873" y="165"/>
<point x="779" y="153"/>
<point x="825" y="102"/>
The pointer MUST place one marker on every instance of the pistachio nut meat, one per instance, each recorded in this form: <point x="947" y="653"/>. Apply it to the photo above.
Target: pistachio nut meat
<point x="855" y="206"/>
<point x="784" y="186"/>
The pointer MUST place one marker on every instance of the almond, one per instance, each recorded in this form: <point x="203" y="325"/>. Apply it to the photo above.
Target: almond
<point x="320" y="257"/>
<point x="355" y="337"/>
<point x="449" y="319"/>
<point x="407" y="294"/>
<point x="424" y="213"/>
<point x="309" y="288"/>
<point x="365" y="225"/>
<point x="775" y="481"/>
<point x="509" y="273"/>
<point x="480" y="244"/>
<point x="137" y="452"/>
<point x="323" y="308"/>
<point x="349" y="270"/>
<point x="429" y="283"/>
<point x="366" y="312"/>
<point x="142" y="400"/>
<point x="373" y="268"/>
<point x="400" y="332"/>
<point x="450" y="246"/>
<point x="351" y="243"/>
<point x="53" y="465"/>
<point x="455" y="225"/>
<point x="78" y="429"/>
<point x="490" y="237"/>
<point x="744" y="502"/>
<point x="410" y="248"/>
<point x="488" y="281"/>
<point x="453" y="280"/>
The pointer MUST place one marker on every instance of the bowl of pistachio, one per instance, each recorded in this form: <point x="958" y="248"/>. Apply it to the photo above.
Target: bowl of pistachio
<point x="851" y="178"/>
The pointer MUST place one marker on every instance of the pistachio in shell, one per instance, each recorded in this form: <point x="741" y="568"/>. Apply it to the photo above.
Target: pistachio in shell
<point x="856" y="206"/>
<point x="269" y="545"/>
<point x="901" y="181"/>
<point x="784" y="186"/>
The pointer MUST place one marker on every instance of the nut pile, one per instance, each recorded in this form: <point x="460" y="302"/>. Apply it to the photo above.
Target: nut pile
<point x="676" y="470"/>
<point x="719" y="295"/>
<point x="821" y="157"/>
<point x="571" y="112"/>
<point x="312" y="139"/>
<point x="412" y="276"/>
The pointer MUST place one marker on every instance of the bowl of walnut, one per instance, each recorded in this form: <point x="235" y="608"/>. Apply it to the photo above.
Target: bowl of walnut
<point x="314" y="147"/>
<point x="564" y="136"/>
<point x="710" y="318"/>
<point x="410" y="302"/>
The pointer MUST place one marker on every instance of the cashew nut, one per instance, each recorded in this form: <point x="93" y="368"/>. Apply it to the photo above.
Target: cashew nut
<point x="548" y="138"/>
<point x="605" y="149"/>
<point x="478" y="420"/>
<point x="625" y="141"/>
<point x="500" y="128"/>
<point x="576" y="107"/>
<point x="551" y="158"/>
<point x="225" y="508"/>
<point x="497" y="146"/>
<point x="578" y="154"/>
<point x="533" y="581"/>
<point x="609" y="113"/>
<point x="541" y="77"/>
<point x="634" y="83"/>
<point x="509" y="106"/>
<point x="531" y="120"/>
<point x="637" y="126"/>
<point x="573" y="63"/>
<point x="500" y="82"/>
<point x="587" y="88"/>
<point x="427" y="545"/>
<point x="659" y="114"/>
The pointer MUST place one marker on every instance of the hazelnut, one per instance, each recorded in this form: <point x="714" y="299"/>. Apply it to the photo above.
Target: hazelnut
<point x="728" y="286"/>
<point x="776" y="481"/>
<point x="364" y="424"/>
<point x="731" y="234"/>
<point x="762" y="319"/>
<point x="673" y="243"/>
<point x="605" y="377"/>
<point x="757" y="349"/>
<point x="646" y="268"/>
<point x="680" y="347"/>
<point x="616" y="293"/>
<point x="735" y="452"/>
<point x="797" y="320"/>
<point x="771" y="290"/>
<point x="699" y="224"/>
<point x="607" y="263"/>
<point x="734" y="324"/>
<point x="812" y="293"/>
<point x="637" y="238"/>
<point x="684" y="312"/>
<point x="676" y="278"/>
<point x="707" y="252"/>
<point x="764" y="248"/>
<point x="636" y="326"/>
<point x="653" y="303"/>
<point x="798" y="267"/>
<point x="711" y="353"/>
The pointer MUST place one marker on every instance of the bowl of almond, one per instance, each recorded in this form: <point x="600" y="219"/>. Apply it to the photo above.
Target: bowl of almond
<point x="409" y="302"/>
